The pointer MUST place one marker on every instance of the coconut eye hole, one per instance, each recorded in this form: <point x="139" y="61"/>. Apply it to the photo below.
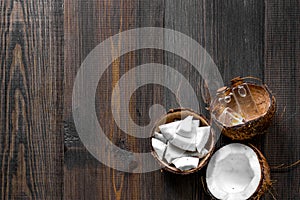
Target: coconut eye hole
<point x="242" y="91"/>
<point x="227" y="99"/>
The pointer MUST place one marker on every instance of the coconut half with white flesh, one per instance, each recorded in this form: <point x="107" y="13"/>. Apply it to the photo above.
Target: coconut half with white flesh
<point x="237" y="172"/>
<point x="182" y="131"/>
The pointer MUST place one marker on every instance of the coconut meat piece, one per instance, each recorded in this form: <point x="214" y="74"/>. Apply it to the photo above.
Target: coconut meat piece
<point x="202" y="137"/>
<point x="201" y="154"/>
<point x="196" y="123"/>
<point x="173" y="152"/>
<point x="184" y="143"/>
<point x="159" y="147"/>
<point x="185" y="127"/>
<point x="169" y="130"/>
<point x="186" y="163"/>
<point x="233" y="173"/>
<point x="160" y="137"/>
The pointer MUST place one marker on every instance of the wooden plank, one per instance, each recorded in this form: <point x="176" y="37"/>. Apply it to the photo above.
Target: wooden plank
<point x="232" y="33"/>
<point x="150" y="14"/>
<point x="234" y="37"/>
<point x="31" y="78"/>
<point x="282" y="52"/>
<point x="86" y="25"/>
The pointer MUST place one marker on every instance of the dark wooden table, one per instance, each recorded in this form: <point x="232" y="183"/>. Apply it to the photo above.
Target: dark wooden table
<point x="43" y="44"/>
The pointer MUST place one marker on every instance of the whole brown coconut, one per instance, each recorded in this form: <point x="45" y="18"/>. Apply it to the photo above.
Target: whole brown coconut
<point x="229" y="157"/>
<point x="257" y="112"/>
<point x="179" y="114"/>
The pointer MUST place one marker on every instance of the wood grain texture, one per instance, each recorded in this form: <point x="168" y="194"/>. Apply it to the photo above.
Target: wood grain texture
<point x="31" y="79"/>
<point x="282" y="64"/>
<point x="43" y="44"/>
<point x="87" y="23"/>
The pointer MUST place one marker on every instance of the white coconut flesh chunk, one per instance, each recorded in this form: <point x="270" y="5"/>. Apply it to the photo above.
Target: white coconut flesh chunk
<point x="233" y="173"/>
<point x="184" y="143"/>
<point x="185" y="127"/>
<point x="202" y="137"/>
<point x="173" y="152"/>
<point x="201" y="154"/>
<point x="159" y="147"/>
<point x="196" y="123"/>
<point x="186" y="163"/>
<point x="169" y="130"/>
<point x="160" y="137"/>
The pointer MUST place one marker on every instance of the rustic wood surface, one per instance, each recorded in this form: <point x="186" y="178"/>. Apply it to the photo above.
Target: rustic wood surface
<point x="31" y="120"/>
<point x="43" y="44"/>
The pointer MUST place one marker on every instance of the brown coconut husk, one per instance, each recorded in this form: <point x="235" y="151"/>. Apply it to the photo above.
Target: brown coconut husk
<point x="179" y="114"/>
<point x="265" y="182"/>
<point x="255" y="123"/>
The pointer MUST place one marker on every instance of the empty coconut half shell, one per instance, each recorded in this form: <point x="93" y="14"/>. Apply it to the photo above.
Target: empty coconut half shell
<point x="160" y="143"/>
<point x="237" y="171"/>
<point x="243" y="110"/>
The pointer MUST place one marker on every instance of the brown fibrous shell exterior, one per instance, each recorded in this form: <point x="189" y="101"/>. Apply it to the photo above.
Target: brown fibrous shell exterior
<point x="265" y="182"/>
<point x="178" y="114"/>
<point x="254" y="126"/>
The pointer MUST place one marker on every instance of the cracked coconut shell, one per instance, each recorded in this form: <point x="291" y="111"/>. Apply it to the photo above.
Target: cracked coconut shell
<point x="254" y="122"/>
